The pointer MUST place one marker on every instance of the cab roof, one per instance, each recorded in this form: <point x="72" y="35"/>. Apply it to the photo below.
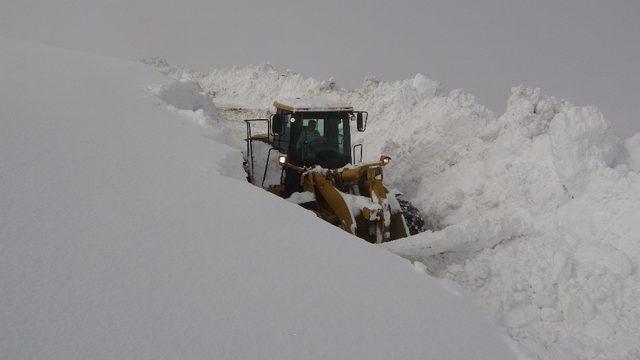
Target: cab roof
<point x="315" y="104"/>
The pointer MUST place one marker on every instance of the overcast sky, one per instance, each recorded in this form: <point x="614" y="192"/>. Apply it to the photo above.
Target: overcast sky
<point x="584" y="50"/>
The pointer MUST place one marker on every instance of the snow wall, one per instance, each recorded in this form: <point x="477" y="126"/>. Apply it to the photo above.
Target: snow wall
<point x="535" y="212"/>
<point x="128" y="231"/>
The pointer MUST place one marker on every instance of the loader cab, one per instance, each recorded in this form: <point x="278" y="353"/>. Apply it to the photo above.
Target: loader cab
<point x="313" y="135"/>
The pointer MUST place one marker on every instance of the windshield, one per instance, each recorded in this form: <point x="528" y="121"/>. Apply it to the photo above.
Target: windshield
<point x="323" y="139"/>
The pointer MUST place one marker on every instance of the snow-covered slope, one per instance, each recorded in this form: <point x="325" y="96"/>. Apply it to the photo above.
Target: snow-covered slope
<point x="127" y="231"/>
<point x="535" y="212"/>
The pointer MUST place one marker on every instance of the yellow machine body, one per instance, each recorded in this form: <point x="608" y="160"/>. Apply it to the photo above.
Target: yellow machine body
<point x="352" y="197"/>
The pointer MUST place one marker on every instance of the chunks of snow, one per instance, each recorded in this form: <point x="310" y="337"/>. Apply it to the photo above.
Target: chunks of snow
<point x="469" y="236"/>
<point x="302" y="197"/>
<point x="582" y="142"/>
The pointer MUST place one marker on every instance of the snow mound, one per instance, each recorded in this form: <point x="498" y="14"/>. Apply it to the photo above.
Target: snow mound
<point x="187" y="95"/>
<point x="125" y="234"/>
<point x="424" y="135"/>
<point x="467" y="163"/>
<point x="534" y="212"/>
<point x="562" y="287"/>
<point x="245" y="87"/>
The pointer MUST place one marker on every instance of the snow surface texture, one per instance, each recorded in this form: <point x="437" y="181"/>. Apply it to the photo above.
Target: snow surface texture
<point x="186" y="97"/>
<point x="535" y="213"/>
<point x="127" y="231"/>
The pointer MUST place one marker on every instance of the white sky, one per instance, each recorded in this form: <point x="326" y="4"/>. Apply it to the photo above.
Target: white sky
<point x="584" y="50"/>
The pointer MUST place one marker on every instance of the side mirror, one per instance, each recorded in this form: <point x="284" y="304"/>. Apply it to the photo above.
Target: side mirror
<point x="277" y="124"/>
<point x="361" y="120"/>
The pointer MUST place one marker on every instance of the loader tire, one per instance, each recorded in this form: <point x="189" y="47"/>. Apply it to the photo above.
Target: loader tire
<point x="413" y="217"/>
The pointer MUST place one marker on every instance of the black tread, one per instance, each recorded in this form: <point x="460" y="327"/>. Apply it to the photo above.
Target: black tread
<point x="413" y="217"/>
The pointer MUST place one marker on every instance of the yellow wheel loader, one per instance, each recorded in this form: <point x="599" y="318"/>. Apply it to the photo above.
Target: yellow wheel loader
<point x="310" y="141"/>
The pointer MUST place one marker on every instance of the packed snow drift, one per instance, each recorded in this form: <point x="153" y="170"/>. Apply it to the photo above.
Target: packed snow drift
<point x="128" y="231"/>
<point x="534" y="213"/>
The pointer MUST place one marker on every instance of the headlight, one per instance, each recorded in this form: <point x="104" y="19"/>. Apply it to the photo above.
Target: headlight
<point x="384" y="160"/>
<point x="282" y="159"/>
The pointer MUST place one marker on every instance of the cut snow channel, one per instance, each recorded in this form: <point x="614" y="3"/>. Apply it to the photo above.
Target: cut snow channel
<point x="561" y="271"/>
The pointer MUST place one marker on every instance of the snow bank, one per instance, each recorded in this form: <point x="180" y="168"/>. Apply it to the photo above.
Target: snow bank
<point x="564" y="286"/>
<point x="246" y="86"/>
<point x="127" y="231"/>
<point x="534" y="212"/>
<point x="187" y="95"/>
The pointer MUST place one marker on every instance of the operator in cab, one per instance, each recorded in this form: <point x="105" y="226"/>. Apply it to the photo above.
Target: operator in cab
<point x="310" y="138"/>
